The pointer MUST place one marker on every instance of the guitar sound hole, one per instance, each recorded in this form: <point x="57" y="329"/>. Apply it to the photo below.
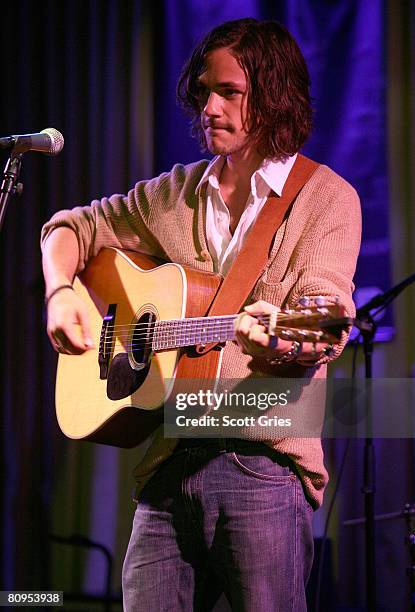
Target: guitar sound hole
<point x="141" y="340"/>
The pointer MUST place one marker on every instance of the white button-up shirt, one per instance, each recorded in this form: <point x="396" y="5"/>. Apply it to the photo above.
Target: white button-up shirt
<point x="223" y="247"/>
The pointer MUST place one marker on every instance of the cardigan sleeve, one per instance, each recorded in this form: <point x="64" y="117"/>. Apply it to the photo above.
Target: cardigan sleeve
<point x="319" y="250"/>
<point x="325" y="259"/>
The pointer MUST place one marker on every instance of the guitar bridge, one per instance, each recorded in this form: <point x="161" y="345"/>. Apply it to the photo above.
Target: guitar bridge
<point x="106" y="341"/>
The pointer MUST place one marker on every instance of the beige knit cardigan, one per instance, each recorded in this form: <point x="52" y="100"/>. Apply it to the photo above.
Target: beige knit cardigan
<point x="314" y="253"/>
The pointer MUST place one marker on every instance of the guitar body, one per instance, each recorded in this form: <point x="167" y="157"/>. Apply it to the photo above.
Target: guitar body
<point x="151" y="332"/>
<point x="103" y="395"/>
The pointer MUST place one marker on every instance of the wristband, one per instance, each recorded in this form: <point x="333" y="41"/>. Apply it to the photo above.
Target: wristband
<point x="55" y="291"/>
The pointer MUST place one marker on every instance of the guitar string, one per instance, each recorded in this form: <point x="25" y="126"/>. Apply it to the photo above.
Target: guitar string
<point x="181" y="331"/>
<point x="177" y="335"/>
<point x="205" y="331"/>
<point x="149" y="346"/>
<point x="178" y="340"/>
<point x="213" y="320"/>
<point x="176" y="332"/>
<point x="165" y="332"/>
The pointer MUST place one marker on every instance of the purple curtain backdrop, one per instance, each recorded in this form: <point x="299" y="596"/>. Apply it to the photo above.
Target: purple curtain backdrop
<point x="105" y="75"/>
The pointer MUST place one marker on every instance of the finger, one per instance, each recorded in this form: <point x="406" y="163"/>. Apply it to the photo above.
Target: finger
<point x="74" y="333"/>
<point x="312" y="351"/>
<point x="255" y="343"/>
<point x="261" y="307"/>
<point x="74" y="342"/>
<point x="58" y="343"/>
<point x="248" y="332"/>
<point x="86" y="329"/>
<point x="51" y="338"/>
<point x="243" y="323"/>
<point x="69" y="338"/>
<point x="258" y="336"/>
<point x="62" y="350"/>
<point x="57" y="346"/>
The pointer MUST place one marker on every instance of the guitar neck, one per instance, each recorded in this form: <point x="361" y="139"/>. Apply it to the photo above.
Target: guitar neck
<point x="317" y="324"/>
<point x="190" y="332"/>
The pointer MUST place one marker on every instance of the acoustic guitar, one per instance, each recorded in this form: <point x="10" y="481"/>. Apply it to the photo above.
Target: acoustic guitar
<point x="149" y="331"/>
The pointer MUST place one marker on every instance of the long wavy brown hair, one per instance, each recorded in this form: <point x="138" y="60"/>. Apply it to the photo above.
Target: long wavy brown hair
<point x="279" y="112"/>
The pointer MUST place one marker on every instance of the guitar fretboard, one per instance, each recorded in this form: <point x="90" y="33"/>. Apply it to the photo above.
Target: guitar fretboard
<point x="190" y="332"/>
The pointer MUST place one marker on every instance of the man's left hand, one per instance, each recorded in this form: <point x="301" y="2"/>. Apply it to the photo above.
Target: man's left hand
<point x="251" y="335"/>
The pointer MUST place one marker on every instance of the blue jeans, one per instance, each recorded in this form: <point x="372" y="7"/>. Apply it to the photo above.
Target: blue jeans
<point x="222" y="516"/>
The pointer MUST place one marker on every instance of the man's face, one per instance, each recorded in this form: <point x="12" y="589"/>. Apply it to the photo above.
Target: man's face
<point x="223" y="89"/>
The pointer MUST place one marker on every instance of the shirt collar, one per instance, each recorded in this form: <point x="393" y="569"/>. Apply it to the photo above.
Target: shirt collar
<point x="212" y="172"/>
<point x="274" y="174"/>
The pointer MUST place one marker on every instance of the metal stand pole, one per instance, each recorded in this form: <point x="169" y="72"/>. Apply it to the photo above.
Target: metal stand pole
<point x="9" y="185"/>
<point x="367" y="326"/>
<point x="369" y="471"/>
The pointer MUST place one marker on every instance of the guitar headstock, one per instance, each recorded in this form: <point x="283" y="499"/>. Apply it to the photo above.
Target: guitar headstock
<point x="316" y="319"/>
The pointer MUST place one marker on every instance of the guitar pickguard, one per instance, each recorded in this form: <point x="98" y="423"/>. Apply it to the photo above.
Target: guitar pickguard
<point x="127" y="371"/>
<point x="122" y="379"/>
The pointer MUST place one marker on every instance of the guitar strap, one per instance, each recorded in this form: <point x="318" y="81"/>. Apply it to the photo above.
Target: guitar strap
<point x="251" y="260"/>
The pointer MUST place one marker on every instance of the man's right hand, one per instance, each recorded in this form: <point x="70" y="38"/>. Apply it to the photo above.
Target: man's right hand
<point x="68" y="321"/>
<point x="68" y="324"/>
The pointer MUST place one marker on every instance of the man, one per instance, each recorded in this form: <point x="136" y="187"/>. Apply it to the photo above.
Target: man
<point x="225" y="515"/>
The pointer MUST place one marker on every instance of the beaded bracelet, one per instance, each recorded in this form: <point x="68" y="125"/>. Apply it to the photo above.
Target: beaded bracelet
<point x="55" y="291"/>
<point x="291" y="355"/>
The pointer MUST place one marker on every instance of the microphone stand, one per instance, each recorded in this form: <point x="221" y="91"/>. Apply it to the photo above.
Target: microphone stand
<point x="368" y="326"/>
<point x="9" y="185"/>
<point x="409" y="514"/>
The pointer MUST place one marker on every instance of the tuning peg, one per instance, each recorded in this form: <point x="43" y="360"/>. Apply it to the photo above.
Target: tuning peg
<point x="304" y="301"/>
<point x="288" y="334"/>
<point x="320" y="301"/>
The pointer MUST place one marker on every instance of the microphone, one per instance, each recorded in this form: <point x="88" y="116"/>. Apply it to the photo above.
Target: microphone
<point x="48" y="141"/>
